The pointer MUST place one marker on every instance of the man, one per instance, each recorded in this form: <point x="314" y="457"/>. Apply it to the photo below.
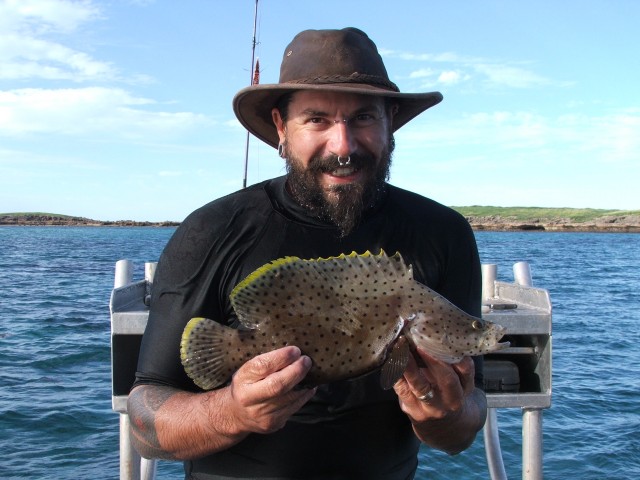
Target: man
<point x="332" y="118"/>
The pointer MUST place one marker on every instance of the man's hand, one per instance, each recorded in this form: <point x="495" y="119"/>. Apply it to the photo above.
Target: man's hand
<point x="441" y="401"/>
<point x="262" y="392"/>
<point x="174" y="424"/>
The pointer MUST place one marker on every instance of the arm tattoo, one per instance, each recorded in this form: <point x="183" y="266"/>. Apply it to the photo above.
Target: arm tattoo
<point x="143" y="406"/>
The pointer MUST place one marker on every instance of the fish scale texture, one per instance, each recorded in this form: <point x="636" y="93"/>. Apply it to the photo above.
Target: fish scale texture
<point x="344" y="312"/>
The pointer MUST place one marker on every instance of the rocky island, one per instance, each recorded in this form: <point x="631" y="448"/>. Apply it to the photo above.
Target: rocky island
<point x="480" y="218"/>
<point x="52" y="219"/>
<point x="551" y="219"/>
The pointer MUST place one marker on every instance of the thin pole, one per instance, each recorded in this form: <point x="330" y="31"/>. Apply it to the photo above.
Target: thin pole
<point x="492" y="446"/>
<point x="253" y="54"/>
<point x="532" y="444"/>
<point x="129" y="458"/>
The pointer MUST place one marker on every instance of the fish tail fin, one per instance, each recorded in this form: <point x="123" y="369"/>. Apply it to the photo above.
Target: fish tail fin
<point x="202" y="351"/>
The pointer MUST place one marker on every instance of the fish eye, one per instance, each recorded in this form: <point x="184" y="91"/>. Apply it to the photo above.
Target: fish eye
<point x="477" y="324"/>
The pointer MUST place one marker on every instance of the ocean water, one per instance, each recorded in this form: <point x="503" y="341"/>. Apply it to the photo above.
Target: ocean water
<point x="56" y="420"/>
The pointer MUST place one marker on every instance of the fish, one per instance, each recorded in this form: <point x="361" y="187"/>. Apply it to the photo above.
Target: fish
<point x="352" y="314"/>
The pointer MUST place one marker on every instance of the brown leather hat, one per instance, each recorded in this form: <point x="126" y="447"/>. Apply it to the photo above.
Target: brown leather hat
<point x="330" y="60"/>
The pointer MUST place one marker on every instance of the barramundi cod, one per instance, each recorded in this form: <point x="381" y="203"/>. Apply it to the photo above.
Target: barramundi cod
<point x="346" y="313"/>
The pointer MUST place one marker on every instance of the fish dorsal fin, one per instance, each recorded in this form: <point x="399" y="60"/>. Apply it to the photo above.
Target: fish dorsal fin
<point x="295" y="287"/>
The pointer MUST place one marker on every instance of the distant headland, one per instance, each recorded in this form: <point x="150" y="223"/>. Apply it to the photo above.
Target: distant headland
<point x="551" y="219"/>
<point x="54" y="219"/>
<point x="480" y="218"/>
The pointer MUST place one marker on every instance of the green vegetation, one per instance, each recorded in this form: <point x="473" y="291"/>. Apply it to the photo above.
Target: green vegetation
<point x="480" y="218"/>
<point x="522" y="214"/>
<point x="43" y="218"/>
<point x="530" y="214"/>
<point x="35" y="214"/>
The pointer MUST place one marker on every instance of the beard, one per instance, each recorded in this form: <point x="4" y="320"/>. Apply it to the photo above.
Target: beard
<point x="340" y="205"/>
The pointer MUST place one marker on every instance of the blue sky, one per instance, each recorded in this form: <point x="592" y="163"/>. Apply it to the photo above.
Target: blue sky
<point x="121" y="109"/>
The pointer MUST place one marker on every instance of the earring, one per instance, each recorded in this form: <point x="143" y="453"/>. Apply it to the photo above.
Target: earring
<point x="281" y="150"/>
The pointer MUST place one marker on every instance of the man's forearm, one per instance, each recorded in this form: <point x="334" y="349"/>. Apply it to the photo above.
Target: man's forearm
<point x="455" y="433"/>
<point x="173" y="424"/>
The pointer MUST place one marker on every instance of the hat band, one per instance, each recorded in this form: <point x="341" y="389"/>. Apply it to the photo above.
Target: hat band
<point x="360" y="78"/>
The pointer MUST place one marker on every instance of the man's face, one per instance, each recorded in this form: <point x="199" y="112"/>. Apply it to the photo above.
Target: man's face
<point x="323" y="130"/>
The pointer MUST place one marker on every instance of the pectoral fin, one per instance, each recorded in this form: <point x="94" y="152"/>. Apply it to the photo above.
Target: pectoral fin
<point x="395" y="364"/>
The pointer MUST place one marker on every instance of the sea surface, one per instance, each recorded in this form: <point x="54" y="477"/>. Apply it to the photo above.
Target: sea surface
<point x="56" y="420"/>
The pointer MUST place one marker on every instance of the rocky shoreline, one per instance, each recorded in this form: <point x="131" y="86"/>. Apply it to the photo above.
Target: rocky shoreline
<point x="618" y="224"/>
<point x="68" y="221"/>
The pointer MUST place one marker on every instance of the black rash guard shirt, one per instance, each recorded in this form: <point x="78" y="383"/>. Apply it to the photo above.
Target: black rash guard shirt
<point x="350" y="429"/>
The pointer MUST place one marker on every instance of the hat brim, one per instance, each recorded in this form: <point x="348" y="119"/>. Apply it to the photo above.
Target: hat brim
<point x="252" y="105"/>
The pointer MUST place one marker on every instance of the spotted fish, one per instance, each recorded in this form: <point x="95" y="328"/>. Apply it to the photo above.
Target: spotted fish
<point x="346" y="313"/>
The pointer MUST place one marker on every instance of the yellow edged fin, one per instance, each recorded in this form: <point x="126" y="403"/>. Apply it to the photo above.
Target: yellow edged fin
<point x="202" y="352"/>
<point x="279" y="263"/>
<point x="260" y="272"/>
<point x="291" y="286"/>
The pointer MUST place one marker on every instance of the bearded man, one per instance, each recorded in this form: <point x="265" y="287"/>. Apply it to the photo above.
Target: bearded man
<point x="331" y="117"/>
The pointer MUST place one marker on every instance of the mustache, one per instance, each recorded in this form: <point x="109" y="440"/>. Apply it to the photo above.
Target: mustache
<point x="328" y="163"/>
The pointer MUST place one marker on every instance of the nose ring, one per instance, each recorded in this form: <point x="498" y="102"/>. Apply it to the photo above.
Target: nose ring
<point x="344" y="162"/>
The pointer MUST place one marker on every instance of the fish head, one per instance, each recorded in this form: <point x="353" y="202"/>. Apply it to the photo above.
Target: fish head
<point x="489" y="335"/>
<point x="454" y="335"/>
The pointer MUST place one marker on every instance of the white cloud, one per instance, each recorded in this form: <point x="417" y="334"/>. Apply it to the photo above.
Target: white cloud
<point x="233" y="123"/>
<point x="449" y="77"/>
<point x="46" y="16"/>
<point x="30" y="46"/>
<point x="509" y="76"/>
<point x="615" y="137"/>
<point x="458" y="68"/>
<point x="87" y="110"/>
<point x="422" y="73"/>
<point x="585" y="141"/>
<point x="523" y="158"/>
<point x="448" y="57"/>
<point x="26" y="58"/>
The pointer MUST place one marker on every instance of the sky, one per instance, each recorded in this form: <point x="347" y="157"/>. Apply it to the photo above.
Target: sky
<point x="121" y="109"/>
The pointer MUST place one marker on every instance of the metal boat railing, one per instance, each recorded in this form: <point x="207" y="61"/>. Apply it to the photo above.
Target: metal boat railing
<point x="525" y="311"/>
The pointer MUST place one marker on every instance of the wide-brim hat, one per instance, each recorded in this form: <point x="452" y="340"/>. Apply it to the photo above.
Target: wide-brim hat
<point x="344" y="60"/>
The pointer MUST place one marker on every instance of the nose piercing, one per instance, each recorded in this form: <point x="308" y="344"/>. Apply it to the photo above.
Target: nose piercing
<point x="344" y="162"/>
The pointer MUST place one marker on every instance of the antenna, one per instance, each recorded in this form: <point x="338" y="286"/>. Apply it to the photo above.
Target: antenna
<point x="255" y="75"/>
